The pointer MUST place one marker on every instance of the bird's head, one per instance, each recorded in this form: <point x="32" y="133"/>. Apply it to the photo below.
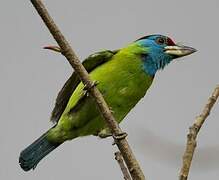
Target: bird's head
<point x="159" y="50"/>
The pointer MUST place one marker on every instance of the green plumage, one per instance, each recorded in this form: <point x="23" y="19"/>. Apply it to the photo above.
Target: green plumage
<point x="122" y="81"/>
<point x="123" y="77"/>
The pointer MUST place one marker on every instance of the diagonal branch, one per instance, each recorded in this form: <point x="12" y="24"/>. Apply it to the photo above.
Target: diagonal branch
<point x="123" y="168"/>
<point x="68" y="52"/>
<point x="193" y="132"/>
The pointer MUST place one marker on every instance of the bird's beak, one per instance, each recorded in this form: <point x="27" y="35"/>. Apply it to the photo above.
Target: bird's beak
<point x="179" y="51"/>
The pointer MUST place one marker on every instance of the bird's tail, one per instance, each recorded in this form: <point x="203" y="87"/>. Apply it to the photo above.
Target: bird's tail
<point x="31" y="156"/>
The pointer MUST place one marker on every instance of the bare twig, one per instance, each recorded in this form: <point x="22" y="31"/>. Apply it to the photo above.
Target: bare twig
<point x="193" y="132"/>
<point x="123" y="168"/>
<point x="68" y="52"/>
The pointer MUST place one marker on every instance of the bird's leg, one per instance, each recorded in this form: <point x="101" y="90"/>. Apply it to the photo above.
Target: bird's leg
<point x="104" y="133"/>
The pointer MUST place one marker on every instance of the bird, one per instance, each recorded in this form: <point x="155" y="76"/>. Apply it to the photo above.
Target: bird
<point x="123" y="77"/>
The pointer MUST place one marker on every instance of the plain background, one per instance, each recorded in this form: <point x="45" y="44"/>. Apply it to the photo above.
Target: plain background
<point x="31" y="77"/>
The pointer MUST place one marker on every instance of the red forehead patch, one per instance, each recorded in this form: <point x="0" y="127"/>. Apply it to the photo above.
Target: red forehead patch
<point x="170" y="42"/>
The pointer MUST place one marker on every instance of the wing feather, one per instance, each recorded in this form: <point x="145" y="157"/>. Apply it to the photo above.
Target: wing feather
<point x="90" y="63"/>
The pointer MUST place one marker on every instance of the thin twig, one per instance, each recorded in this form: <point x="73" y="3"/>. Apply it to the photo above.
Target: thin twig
<point x="68" y="52"/>
<point x="193" y="132"/>
<point x="122" y="166"/>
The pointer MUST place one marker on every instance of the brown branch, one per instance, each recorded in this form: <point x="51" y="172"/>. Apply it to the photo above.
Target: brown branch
<point x="68" y="52"/>
<point x="193" y="132"/>
<point x="122" y="166"/>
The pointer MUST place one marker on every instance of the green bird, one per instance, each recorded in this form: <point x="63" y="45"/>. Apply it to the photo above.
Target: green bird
<point x="123" y="77"/>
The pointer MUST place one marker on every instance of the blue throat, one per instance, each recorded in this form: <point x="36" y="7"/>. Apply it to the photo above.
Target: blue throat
<point x="151" y="64"/>
<point x="153" y="56"/>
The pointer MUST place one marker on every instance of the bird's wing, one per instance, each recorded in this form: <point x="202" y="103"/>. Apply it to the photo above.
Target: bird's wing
<point x="90" y="63"/>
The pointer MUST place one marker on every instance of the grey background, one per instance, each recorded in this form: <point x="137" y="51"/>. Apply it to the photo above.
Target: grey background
<point x="30" y="78"/>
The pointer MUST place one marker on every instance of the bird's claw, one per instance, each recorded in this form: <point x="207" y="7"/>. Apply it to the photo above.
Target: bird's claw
<point x="94" y="83"/>
<point x="106" y="133"/>
<point x="111" y="110"/>
<point x="120" y="136"/>
<point x="86" y="89"/>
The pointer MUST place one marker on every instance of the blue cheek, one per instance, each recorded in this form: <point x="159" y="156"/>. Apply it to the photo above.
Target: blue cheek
<point x="148" y="65"/>
<point x="156" y="59"/>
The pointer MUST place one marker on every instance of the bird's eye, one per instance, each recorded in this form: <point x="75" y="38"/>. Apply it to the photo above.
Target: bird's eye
<point x="160" y="41"/>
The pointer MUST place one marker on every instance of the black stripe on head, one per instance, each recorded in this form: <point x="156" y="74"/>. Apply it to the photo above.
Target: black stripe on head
<point x="170" y="42"/>
<point x="146" y="37"/>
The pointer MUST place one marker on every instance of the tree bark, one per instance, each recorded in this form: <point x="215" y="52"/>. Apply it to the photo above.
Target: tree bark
<point x="193" y="132"/>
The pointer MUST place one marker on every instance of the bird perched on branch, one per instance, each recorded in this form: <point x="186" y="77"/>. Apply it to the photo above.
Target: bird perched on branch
<point x="123" y="77"/>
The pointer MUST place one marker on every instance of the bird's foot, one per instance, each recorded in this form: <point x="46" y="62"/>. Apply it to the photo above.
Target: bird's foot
<point x="86" y="89"/>
<point x="102" y="135"/>
<point x="94" y="83"/>
<point x="105" y="133"/>
<point x="111" y="109"/>
<point x="120" y="136"/>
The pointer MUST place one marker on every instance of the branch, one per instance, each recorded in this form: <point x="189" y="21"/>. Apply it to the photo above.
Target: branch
<point x="193" y="132"/>
<point x="123" y="168"/>
<point x="68" y="52"/>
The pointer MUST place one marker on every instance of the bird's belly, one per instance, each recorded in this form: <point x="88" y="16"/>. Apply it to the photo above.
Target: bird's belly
<point x="120" y="96"/>
<point x="121" y="86"/>
<point x="122" y="100"/>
